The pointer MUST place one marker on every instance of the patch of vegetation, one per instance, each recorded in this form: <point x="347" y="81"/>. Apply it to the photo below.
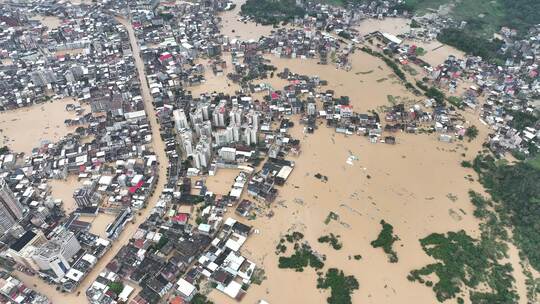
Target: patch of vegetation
<point x="533" y="286"/>
<point x="521" y="120"/>
<point x="517" y="14"/>
<point x="455" y="101"/>
<point x="332" y="216"/>
<point x="364" y="73"/>
<point x="116" y="287"/>
<point x="162" y="242"/>
<point x="345" y="35"/>
<point x="357" y="257"/>
<point x="332" y="239"/>
<point x="436" y="94"/>
<point x="258" y="276"/>
<point x="415" y="24"/>
<point x="281" y="247"/>
<point x="471" y="132"/>
<point x="294" y="237"/>
<point x="481" y="205"/>
<point x="431" y="92"/>
<point x="409" y="69"/>
<point x="471" y="44"/>
<point x="466" y="164"/>
<point x="200" y="299"/>
<point x="516" y="188"/>
<point x="452" y="197"/>
<point x="477" y="263"/>
<point x="535" y="162"/>
<point x="301" y="258"/>
<point x="464" y="261"/>
<point x="341" y="286"/>
<point x="4" y="150"/>
<point x="420" y="51"/>
<point x="391" y="99"/>
<point x="272" y="12"/>
<point x="386" y="240"/>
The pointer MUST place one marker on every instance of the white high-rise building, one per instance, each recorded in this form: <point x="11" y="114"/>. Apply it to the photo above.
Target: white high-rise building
<point x="223" y="136"/>
<point x="196" y="116"/>
<point x="250" y="136"/>
<point x="56" y="253"/>
<point x="235" y="129"/>
<point x="180" y="119"/>
<point x="23" y="249"/>
<point x="205" y="109"/>
<point x="11" y="210"/>
<point x="203" y="129"/>
<point x="235" y="116"/>
<point x="311" y="109"/>
<point x="186" y="141"/>
<point x="206" y="130"/>
<point x="202" y="155"/>
<point x="253" y="119"/>
<point x="219" y="114"/>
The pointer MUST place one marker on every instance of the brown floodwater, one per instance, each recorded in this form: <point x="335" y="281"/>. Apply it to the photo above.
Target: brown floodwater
<point x="236" y="29"/>
<point x="47" y="124"/>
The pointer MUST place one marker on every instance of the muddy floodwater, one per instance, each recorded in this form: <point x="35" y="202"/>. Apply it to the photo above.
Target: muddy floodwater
<point x="222" y="182"/>
<point x="47" y="124"/>
<point x="235" y="28"/>
<point x="63" y="189"/>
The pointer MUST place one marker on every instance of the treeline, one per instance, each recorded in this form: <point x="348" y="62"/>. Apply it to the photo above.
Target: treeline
<point x="462" y="260"/>
<point x="471" y="44"/>
<point x="517" y="14"/>
<point x="272" y="12"/>
<point x="517" y="188"/>
<point x="521" y="14"/>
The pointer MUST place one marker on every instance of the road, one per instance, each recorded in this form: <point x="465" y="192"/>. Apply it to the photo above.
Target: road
<point x="159" y="148"/>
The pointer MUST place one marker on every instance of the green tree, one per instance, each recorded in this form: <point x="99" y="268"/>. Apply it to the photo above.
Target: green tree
<point x="471" y="132"/>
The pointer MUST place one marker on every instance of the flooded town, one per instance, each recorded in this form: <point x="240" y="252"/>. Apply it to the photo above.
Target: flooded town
<point x="237" y="152"/>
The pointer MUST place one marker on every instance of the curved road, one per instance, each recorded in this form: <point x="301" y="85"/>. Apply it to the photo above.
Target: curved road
<point x="159" y="149"/>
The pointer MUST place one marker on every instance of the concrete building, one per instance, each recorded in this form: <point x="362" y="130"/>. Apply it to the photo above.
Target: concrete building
<point x="202" y="155"/>
<point x="235" y="116"/>
<point x="11" y="211"/>
<point x="23" y="249"/>
<point x="83" y="197"/>
<point x="218" y="116"/>
<point x="53" y="257"/>
<point x="253" y="119"/>
<point x="227" y="154"/>
<point x="223" y="136"/>
<point x="180" y="119"/>
<point x="186" y="141"/>
<point x="250" y="136"/>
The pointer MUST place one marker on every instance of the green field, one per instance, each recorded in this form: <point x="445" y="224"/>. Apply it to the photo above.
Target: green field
<point x="485" y="17"/>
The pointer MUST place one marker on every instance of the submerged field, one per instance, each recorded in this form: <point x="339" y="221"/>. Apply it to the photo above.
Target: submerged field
<point x="47" y="125"/>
